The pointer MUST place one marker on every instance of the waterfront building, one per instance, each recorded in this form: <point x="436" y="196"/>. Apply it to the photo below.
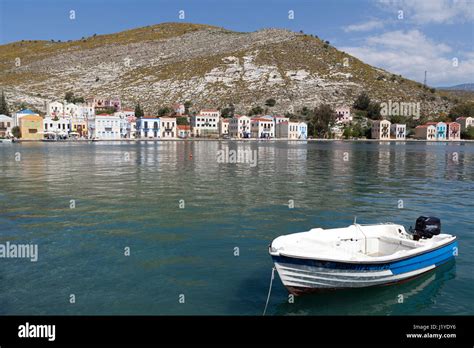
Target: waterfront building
<point x="31" y="127"/>
<point x="261" y="127"/>
<point x="224" y="126"/>
<point x="168" y="127"/>
<point x="206" y="123"/>
<point x="441" y="129"/>
<point x="6" y="125"/>
<point x="454" y="131"/>
<point x="184" y="131"/>
<point x="381" y="130"/>
<point x="148" y="127"/>
<point x="425" y="132"/>
<point x="106" y="127"/>
<point x="302" y="130"/>
<point x="239" y="127"/>
<point x="398" y="131"/>
<point x="465" y="122"/>
<point x="18" y="115"/>
<point x="57" y="126"/>
<point x="71" y="110"/>
<point x="287" y="130"/>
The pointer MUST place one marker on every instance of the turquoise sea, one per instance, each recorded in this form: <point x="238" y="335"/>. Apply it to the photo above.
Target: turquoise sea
<point x="199" y="228"/>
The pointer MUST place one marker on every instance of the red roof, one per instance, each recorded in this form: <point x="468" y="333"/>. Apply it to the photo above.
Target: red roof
<point x="226" y="120"/>
<point x="149" y="116"/>
<point x="128" y="109"/>
<point x="262" y="119"/>
<point x="184" y="127"/>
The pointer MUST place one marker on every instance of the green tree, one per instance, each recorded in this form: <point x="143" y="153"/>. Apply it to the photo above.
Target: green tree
<point x="228" y="112"/>
<point x="69" y="97"/>
<point x="182" y="121"/>
<point x="256" y="110"/>
<point x="16" y="132"/>
<point x="323" y="116"/>
<point x="164" y="111"/>
<point x="362" y="102"/>
<point x="139" y="111"/>
<point x="373" y="111"/>
<point x="187" y="105"/>
<point x="463" y="109"/>
<point x="270" y="102"/>
<point x="468" y="133"/>
<point x="4" y="105"/>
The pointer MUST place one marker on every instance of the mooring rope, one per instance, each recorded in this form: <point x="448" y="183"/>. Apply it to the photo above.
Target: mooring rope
<point x="269" y="290"/>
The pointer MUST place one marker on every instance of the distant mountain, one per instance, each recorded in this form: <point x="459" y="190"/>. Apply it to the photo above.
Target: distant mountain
<point x="462" y="87"/>
<point x="211" y="67"/>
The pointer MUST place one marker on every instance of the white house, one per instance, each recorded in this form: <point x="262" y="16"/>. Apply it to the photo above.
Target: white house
<point x="465" y="122"/>
<point x="179" y="109"/>
<point x="239" y="127"/>
<point x="425" y="132"/>
<point x="107" y="127"/>
<point x="204" y="124"/>
<point x="398" y="131"/>
<point x="287" y="130"/>
<point x="168" y="128"/>
<point x="343" y="114"/>
<point x="262" y="128"/>
<point x="302" y="130"/>
<point x="71" y="109"/>
<point x="57" y="126"/>
<point x="148" y="127"/>
<point x="6" y="125"/>
<point x="224" y="126"/>
<point x="381" y="130"/>
<point x="54" y="108"/>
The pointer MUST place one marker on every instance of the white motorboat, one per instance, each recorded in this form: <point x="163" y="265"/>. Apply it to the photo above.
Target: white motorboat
<point x="360" y="255"/>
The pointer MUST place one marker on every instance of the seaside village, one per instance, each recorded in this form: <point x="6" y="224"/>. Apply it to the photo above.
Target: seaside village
<point x="105" y="119"/>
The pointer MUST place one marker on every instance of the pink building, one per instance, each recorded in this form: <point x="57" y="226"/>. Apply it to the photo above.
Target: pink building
<point x="454" y="131"/>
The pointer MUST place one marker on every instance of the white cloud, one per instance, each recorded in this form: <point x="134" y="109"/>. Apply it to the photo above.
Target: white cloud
<point x="410" y="53"/>
<point x="432" y="11"/>
<point x="365" y="26"/>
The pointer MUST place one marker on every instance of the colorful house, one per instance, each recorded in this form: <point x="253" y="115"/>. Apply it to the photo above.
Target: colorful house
<point x="184" y="131"/>
<point x="454" y="131"/>
<point x="381" y="130"/>
<point x="343" y="114"/>
<point x="31" y="127"/>
<point x="398" y="131"/>
<point x="425" y="132"/>
<point x="441" y="129"/>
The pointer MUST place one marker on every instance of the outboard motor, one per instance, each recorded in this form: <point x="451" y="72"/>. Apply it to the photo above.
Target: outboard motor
<point x="426" y="227"/>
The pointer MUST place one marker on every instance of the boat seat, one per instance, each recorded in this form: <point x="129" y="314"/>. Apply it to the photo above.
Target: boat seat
<point x="404" y="242"/>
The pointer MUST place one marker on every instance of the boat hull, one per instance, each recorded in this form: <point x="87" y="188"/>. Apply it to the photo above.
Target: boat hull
<point x="307" y="275"/>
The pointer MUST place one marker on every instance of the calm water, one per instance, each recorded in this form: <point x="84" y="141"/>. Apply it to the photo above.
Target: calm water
<point x="128" y="195"/>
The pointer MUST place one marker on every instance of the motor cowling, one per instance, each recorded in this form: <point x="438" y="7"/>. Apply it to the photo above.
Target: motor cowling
<point x="426" y="227"/>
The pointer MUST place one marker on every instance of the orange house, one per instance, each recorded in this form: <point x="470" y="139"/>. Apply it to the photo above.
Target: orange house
<point x="31" y="127"/>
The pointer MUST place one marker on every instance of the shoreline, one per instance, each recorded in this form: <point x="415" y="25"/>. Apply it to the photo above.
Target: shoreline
<point x="249" y="140"/>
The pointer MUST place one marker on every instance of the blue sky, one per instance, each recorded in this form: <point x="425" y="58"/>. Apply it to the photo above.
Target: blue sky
<point x="430" y="35"/>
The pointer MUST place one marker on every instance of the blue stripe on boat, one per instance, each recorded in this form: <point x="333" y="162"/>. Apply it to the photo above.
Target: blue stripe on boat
<point x="434" y="257"/>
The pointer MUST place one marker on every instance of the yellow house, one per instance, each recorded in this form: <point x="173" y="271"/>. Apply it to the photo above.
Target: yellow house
<point x="31" y="127"/>
<point x="79" y="126"/>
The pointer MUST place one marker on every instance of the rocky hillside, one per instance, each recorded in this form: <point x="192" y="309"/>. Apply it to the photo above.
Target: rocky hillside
<point x="210" y="66"/>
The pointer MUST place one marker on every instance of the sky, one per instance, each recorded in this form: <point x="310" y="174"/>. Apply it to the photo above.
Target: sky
<point x="404" y="37"/>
